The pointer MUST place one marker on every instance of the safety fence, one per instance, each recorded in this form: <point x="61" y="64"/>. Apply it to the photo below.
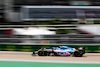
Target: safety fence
<point x="51" y="39"/>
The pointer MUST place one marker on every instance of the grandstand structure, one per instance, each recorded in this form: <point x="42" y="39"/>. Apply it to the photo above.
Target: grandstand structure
<point x="1" y="10"/>
<point x="13" y="7"/>
<point x="64" y="17"/>
<point x="62" y="13"/>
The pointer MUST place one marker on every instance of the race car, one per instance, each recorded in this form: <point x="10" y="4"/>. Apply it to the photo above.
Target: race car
<point x="60" y="51"/>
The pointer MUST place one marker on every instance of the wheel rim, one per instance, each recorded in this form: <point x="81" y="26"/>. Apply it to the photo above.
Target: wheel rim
<point x="76" y="54"/>
<point x="40" y="53"/>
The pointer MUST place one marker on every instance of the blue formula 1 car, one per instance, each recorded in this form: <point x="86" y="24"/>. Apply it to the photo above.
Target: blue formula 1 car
<point x="61" y="51"/>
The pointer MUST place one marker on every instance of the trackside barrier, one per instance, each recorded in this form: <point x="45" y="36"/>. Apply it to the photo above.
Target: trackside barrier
<point x="30" y="48"/>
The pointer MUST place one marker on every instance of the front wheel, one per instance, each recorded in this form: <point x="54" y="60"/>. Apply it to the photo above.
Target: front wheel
<point x="41" y="53"/>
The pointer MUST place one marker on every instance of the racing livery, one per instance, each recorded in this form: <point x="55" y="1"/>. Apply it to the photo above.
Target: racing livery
<point x="61" y="51"/>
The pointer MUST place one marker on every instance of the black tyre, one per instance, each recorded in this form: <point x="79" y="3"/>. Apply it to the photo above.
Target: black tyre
<point x="81" y="55"/>
<point x="41" y="53"/>
<point x="76" y="54"/>
<point x="81" y="51"/>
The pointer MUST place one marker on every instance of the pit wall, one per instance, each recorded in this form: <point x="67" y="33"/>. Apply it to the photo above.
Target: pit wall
<point x="30" y="48"/>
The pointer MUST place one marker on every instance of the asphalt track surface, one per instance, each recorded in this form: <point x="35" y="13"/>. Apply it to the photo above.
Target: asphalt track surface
<point x="24" y="59"/>
<point x="7" y="56"/>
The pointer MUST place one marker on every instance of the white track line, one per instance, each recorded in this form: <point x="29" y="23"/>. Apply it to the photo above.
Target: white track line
<point x="47" y="61"/>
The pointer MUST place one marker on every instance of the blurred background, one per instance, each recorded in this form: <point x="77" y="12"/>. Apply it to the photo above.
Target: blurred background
<point x="26" y="25"/>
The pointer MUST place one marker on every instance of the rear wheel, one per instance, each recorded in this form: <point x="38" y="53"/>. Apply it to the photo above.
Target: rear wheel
<point x="81" y="55"/>
<point x="76" y="54"/>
